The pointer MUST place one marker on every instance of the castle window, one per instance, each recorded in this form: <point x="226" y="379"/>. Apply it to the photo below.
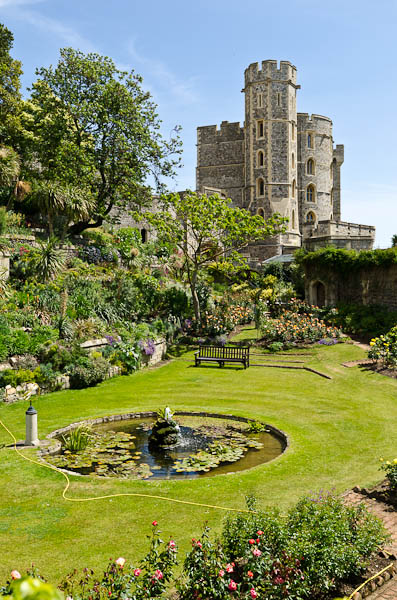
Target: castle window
<point x="293" y="220"/>
<point x="310" y="193"/>
<point x="293" y="160"/>
<point x="260" y="100"/>
<point x="261" y="158"/>
<point x="261" y="213"/>
<point x="331" y="217"/>
<point x="260" y="129"/>
<point x="332" y="197"/>
<point x="278" y="99"/>
<point x="260" y="187"/>
<point x="309" y="140"/>
<point x="293" y="131"/>
<point x="310" y="167"/>
<point x="293" y="188"/>
<point x="310" y="217"/>
<point x="143" y="236"/>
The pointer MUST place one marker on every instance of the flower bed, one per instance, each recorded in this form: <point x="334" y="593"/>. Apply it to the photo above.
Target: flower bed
<point x="305" y="554"/>
<point x="292" y="327"/>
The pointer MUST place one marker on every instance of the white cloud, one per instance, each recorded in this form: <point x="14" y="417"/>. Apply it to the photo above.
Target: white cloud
<point x="68" y="35"/>
<point x="164" y="80"/>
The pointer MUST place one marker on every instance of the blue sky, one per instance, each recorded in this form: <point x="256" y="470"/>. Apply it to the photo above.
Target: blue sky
<point x="192" y="56"/>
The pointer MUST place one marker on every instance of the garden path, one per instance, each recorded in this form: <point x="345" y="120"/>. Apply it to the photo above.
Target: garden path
<point x="389" y="517"/>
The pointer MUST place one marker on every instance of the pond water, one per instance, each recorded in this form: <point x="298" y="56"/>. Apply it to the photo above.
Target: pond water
<point x="128" y="441"/>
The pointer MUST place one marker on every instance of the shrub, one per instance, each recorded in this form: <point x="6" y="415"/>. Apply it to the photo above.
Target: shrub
<point x="88" y="373"/>
<point x="390" y="468"/>
<point x="384" y="348"/>
<point x="333" y="539"/>
<point x="275" y="347"/>
<point x="16" y="377"/>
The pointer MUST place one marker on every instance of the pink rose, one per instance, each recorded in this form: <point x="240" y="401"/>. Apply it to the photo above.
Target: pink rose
<point x="120" y="562"/>
<point x="154" y="523"/>
<point x="232" y="585"/>
<point x="15" y="574"/>
<point x="253" y="593"/>
<point x="259" y="532"/>
<point x="137" y="572"/>
<point x="256" y="552"/>
<point x="221" y="573"/>
<point x="158" y="574"/>
<point x="171" y="544"/>
<point x="229" y="568"/>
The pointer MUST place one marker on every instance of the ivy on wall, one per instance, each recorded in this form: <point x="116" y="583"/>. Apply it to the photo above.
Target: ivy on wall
<point x="345" y="261"/>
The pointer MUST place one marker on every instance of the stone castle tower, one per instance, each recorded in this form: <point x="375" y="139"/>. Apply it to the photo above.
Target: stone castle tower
<point x="279" y="161"/>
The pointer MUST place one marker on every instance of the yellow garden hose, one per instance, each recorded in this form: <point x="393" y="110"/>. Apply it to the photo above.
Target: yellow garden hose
<point x="65" y="475"/>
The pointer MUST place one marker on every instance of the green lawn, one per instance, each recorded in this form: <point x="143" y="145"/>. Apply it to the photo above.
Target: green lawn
<point x="338" y="429"/>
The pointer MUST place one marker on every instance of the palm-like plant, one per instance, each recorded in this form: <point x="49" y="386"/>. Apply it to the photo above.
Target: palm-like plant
<point x="55" y="199"/>
<point x="49" y="260"/>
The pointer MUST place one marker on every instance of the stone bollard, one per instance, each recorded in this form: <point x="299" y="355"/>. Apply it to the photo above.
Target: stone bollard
<point x="31" y="427"/>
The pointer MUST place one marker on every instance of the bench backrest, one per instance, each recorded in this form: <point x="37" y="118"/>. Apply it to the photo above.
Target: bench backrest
<point x="224" y="352"/>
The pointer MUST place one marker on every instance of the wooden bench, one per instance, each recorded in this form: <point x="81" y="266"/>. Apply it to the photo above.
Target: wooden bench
<point x="222" y="354"/>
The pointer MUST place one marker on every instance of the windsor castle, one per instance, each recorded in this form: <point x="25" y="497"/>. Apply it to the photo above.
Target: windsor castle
<point x="280" y="161"/>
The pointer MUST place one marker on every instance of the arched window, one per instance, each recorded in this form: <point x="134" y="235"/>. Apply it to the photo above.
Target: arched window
<point x="310" y="193"/>
<point x="331" y="217"/>
<point x="260" y="187"/>
<point x="293" y="161"/>
<point x="309" y="140"/>
<point x="293" y="131"/>
<point x="310" y="167"/>
<point x="310" y="217"/>
<point x="260" y="100"/>
<point x="332" y="197"/>
<point x="144" y="235"/>
<point x="293" y="220"/>
<point x="259" y="129"/>
<point x="261" y="158"/>
<point x="293" y="188"/>
<point x="278" y="99"/>
<point x="261" y="213"/>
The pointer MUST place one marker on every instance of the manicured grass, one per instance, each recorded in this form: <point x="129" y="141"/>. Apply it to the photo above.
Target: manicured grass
<point x="338" y="429"/>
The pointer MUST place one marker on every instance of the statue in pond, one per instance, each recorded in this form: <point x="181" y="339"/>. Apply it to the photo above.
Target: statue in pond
<point x="165" y="431"/>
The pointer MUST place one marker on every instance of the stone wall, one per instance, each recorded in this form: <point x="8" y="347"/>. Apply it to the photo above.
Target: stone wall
<point x="374" y="285"/>
<point x="340" y="234"/>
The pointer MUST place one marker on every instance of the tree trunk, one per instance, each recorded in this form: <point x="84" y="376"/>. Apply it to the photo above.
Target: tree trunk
<point x="81" y="226"/>
<point x="196" y="303"/>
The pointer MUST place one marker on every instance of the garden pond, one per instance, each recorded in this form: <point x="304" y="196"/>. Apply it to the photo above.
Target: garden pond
<point x="208" y="446"/>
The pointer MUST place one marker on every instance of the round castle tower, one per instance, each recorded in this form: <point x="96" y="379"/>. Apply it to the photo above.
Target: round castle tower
<point x="315" y="169"/>
<point x="271" y="144"/>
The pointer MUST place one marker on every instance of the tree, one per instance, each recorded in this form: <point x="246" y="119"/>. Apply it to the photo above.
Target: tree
<point x="394" y="241"/>
<point x="10" y="97"/>
<point x="94" y="124"/>
<point x="205" y="229"/>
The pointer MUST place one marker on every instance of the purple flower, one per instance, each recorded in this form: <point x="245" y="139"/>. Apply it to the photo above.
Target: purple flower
<point x="147" y="346"/>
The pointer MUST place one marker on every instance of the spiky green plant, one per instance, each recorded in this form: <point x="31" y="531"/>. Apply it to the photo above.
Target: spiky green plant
<point x="78" y="439"/>
<point x="49" y="260"/>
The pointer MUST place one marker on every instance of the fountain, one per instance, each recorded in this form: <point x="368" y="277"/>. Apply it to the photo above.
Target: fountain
<point x="166" y="432"/>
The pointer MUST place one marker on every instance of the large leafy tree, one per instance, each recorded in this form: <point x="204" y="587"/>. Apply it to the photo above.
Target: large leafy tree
<point x="207" y="228"/>
<point x="95" y="126"/>
<point x="10" y="97"/>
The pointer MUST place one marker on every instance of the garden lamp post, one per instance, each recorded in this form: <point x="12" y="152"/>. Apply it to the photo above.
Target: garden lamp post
<point x="31" y="438"/>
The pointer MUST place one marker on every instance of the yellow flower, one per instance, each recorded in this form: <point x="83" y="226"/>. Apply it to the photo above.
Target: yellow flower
<point x="372" y="343"/>
<point x="395" y="461"/>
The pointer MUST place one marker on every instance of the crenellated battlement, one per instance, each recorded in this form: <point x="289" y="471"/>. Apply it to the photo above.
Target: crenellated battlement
<point x="227" y="132"/>
<point x="316" y="122"/>
<point x="270" y="69"/>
